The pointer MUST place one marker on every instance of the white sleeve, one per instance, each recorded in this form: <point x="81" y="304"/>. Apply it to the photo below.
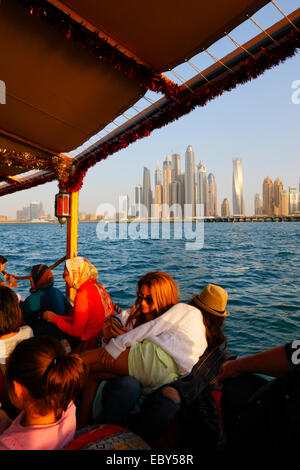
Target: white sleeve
<point x="154" y="327"/>
<point x="123" y="315"/>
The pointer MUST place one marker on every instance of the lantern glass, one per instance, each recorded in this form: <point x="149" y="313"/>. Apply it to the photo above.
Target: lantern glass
<point x="62" y="205"/>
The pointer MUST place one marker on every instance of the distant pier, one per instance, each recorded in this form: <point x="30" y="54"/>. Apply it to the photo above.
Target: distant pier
<point x="267" y="218"/>
<point x="232" y="219"/>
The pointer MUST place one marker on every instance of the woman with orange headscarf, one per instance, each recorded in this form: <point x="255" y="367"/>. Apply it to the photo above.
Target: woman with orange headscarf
<point x="92" y="304"/>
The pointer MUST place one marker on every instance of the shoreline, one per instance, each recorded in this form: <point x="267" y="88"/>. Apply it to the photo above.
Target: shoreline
<point x="236" y="219"/>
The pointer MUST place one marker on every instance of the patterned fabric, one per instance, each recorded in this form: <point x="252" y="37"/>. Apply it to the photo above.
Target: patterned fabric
<point x="80" y="270"/>
<point x="105" y="299"/>
<point x="106" y="437"/>
<point x="116" y="308"/>
<point x="115" y="326"/>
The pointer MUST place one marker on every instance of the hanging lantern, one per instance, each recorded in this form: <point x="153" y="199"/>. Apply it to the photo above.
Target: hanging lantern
<point x="62" y="206"/>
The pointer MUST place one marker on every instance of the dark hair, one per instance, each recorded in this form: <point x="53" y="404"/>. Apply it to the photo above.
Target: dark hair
<point x="52" y="377"/>
<point x="213" y="326"/>
<point x="10" y="313"/>
<point x="3" y="260"/>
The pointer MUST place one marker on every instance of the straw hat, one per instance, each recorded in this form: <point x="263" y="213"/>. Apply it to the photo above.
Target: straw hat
<point x="213" y="299"/>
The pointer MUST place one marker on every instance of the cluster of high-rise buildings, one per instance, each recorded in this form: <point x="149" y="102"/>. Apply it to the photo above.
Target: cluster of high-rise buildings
<point x="191" y="192"/>
<point x="276" y="200"/>
<point x="177" y="192"/>
<point x="34" y="211"/>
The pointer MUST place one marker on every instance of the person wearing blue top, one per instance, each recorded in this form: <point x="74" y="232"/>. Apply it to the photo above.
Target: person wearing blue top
<point x="43" y="297"/>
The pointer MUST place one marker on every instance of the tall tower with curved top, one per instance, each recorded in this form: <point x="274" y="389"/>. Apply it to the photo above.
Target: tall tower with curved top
<point x="237" y="188"/>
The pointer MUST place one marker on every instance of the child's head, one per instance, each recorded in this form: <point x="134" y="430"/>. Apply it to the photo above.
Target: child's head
<point x="50" y="377"/>
<point x="3" y="262"/>
<point x="10" y="313"/>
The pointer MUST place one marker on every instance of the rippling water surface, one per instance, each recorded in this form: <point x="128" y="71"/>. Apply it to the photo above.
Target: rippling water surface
<point x="257" y="263"/>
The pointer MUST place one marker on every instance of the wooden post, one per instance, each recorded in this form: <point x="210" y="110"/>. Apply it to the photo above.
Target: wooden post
<point x="72" y="235"/>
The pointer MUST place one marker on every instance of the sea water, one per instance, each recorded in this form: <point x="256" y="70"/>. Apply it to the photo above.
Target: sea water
<point x="257" y="263"/>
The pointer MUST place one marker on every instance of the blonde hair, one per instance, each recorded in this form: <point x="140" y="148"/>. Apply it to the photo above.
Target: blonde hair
<point x="164" y="293"/>
<point x="163" y="288"/>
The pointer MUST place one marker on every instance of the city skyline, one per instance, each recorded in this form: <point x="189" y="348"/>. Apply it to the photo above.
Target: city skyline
<point x="201" y="188"/>
<point x="267" y="201"/>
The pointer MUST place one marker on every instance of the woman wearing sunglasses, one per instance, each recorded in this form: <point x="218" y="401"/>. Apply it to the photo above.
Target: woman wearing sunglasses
<point x="156" y="292"/>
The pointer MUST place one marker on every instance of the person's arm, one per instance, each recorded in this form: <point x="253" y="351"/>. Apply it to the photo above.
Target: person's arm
<point x="152" y="328"/>
<point x="99" y="360"/>
<point x="272" y="362"/>
<point x="75" y="325"/>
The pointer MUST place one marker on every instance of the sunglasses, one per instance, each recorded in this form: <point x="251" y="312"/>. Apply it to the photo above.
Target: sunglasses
<point x="147" y="298"/>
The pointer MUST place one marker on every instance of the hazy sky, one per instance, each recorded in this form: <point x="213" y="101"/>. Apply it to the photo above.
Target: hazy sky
<point x="257" y="122"/>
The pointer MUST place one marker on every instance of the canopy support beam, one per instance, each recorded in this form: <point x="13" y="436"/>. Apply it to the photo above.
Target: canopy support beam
<point x="72" y="235"/>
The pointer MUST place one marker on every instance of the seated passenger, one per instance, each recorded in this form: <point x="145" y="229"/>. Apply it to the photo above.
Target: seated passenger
<point x="43" y="382"/>
<point x="12" y="328"/>
<point x="156" y="292"/>
<point x="259" y="412"/>
<point x="92" y="304"/>
<point x="6" y="279"/>
<point x="44" y="296"/>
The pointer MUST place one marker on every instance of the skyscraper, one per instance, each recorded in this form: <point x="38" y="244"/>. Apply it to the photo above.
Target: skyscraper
<point x="157" y="179"/>
<point x="35" y="210"/>
<point x="293" y="199"/>
<point x="190" y="180"/>
<point x="175" y="204"/>
<point x="124" y="205"/>
<point x="167" y="179"/>
<point x="267" y="196"/>
<point x="181" y="191"/>
<point x="175" y="166"/>
<point x="157" y="201"/>
<point x="257" y="205"/>
<point x="285" y="202"/>
<point x="212" y="196"/>
<point x="147" y="193"/>
<point x="237" y="188"/>
<point x="201" y="187"/>
<point x="225" y="211"/>
<point x="138" y="200"/>
<point x="277" y="190"/>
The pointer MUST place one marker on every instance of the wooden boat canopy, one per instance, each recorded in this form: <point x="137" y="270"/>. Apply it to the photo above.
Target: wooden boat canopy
<point x="73" y="67"/>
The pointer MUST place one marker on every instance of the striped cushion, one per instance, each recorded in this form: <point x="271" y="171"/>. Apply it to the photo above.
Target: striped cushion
<point x="106" y="437"/>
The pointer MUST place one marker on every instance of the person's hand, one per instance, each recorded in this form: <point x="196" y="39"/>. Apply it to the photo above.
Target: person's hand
<point x="11" y="280"/>
<point x="107" y="330"/>
<point x="49" y="316"/>
<point x="228" y="370"/>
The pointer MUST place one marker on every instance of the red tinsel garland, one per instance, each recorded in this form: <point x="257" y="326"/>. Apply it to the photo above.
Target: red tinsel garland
<point x="248" y="70"/>
<point x="31" y="183"/>
<point x="99" y="47"/>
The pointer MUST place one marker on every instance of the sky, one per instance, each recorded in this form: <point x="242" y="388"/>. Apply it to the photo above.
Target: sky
<point x="258" y="122"/>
